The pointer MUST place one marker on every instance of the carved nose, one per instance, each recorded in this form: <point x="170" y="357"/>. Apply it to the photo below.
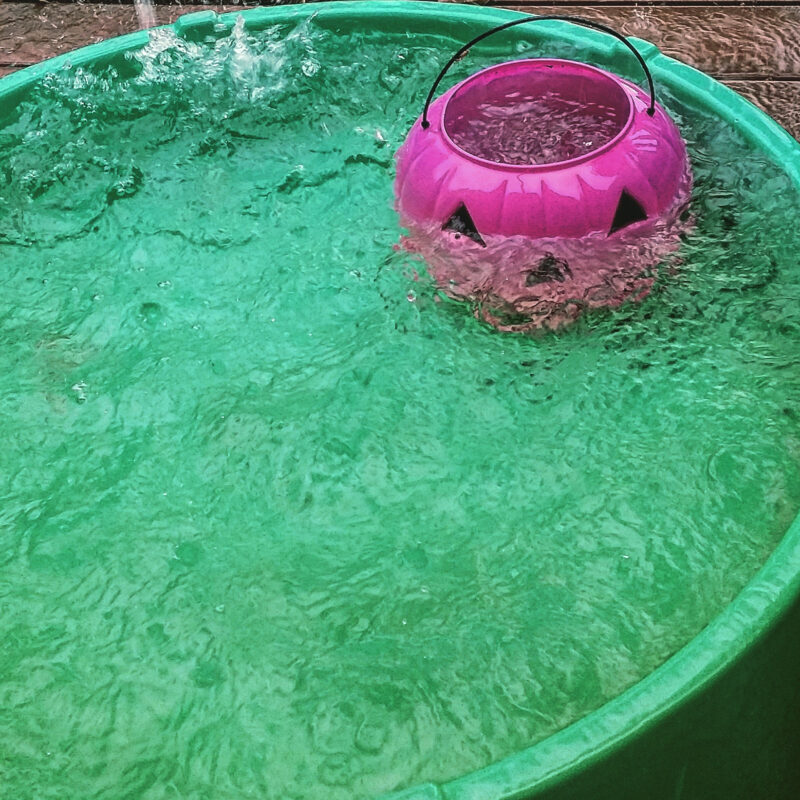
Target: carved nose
<point x="549" y="269"/>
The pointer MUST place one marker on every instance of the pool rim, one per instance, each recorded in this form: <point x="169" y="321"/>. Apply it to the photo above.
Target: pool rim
<point x="775" y="588"/>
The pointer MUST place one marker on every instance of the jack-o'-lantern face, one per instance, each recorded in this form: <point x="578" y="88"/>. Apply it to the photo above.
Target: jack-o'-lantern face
<point x="521" y="284"/>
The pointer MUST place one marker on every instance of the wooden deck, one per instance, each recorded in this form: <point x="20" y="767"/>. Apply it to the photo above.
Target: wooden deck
<point x="754" y="47"/>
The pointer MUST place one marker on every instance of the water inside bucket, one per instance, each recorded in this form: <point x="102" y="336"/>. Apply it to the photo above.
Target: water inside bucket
<point x="536" y="115"/>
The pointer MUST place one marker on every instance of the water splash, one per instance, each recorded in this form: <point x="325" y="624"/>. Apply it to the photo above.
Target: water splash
<point x="253" y="69"/>
<point x="145" y="13"/>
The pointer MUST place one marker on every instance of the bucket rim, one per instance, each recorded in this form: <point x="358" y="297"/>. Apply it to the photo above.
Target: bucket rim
<point x="624" y="87"/>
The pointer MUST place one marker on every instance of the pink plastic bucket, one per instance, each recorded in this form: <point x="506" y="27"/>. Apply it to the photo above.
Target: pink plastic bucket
<point x="542" y="162"/>
<point x="635" y="174"/>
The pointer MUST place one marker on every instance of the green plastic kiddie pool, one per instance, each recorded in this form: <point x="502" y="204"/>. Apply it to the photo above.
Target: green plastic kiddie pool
<point x="283" y="519"/>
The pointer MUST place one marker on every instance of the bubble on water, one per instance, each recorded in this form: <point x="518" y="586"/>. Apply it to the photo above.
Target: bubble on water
<point x="126" y="186"/>
<point x="80" y="391"/>
<point x="139" y="258"/>
<point x="150" y="314"/>
<point x="309" y="67"/>
<point x="370" y="736"/>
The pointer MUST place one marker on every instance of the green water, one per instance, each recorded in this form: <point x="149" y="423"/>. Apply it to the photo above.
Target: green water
<point x="278" y="520"/>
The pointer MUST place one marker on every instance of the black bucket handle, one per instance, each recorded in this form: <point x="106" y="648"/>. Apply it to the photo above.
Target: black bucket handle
<point x="586" y="23"/>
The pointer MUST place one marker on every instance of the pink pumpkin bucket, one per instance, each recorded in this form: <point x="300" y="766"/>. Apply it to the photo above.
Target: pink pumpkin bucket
<point x="537" y="152"/>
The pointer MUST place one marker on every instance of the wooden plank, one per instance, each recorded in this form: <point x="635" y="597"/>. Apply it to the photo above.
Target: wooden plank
<point x="31" y="32"/>
<point x="737" y="42"/>
<point x="780" y="99"/>
<point x="501" y="3"/>
<point x="702" y="4"/>
<point x="740" y="41"/>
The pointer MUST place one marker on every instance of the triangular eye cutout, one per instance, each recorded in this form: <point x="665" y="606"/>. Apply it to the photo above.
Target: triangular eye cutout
<point x="460" y="222"/>
<point x="629" y="210"/>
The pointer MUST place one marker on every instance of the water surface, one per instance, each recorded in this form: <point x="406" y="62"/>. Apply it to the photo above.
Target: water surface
<point x="281" y="520"/>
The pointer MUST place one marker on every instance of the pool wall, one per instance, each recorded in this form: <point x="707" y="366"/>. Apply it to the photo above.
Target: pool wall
<point x="738" y="737"/>
<point x="721" y="718"/>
